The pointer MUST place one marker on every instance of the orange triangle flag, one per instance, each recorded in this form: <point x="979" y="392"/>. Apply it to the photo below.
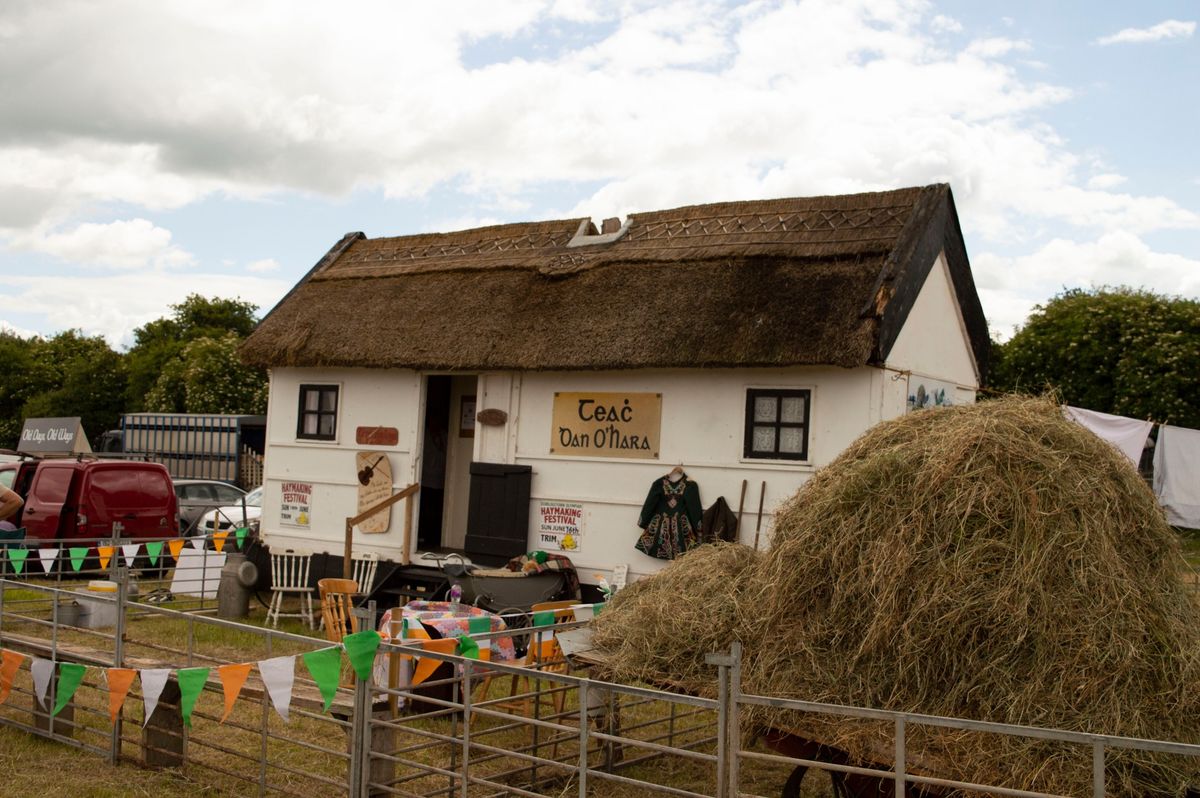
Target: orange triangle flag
<point x="8" y="669"/>
<point x="219" y="540"/>
<point x="119" y="682"/>
<point x="427" y="665"/>
<point x="106" y="553"/>
<point x="232" y="679"/>
<point x="175" y="546"/>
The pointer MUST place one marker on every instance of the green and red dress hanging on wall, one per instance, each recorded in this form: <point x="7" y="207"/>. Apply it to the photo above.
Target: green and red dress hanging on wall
<point x="670" y="517"/>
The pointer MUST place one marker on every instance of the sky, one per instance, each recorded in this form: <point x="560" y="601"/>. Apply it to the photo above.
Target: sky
<point x="151" y="150"/>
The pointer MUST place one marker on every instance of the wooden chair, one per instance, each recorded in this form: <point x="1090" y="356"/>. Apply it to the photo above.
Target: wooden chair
<point x="364" y="568"/>
<point x="289" y="575"/>
<point x="544" y="655"/>
<point x="337" y="605"/>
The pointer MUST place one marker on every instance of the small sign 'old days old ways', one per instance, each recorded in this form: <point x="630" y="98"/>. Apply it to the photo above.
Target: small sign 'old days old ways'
<point x="606" y="424"/>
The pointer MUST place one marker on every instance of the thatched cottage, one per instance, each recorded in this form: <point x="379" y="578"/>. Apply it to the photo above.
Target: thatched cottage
<point x="535" y="378"/>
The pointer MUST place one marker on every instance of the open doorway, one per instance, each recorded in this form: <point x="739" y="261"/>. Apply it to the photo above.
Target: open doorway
<point x="448" y="446"/>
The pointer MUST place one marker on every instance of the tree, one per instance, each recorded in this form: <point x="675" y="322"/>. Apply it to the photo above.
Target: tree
<point x="75" y="375"/>
<point x="209" y="377"/>
<point x="156" y="361"/>
<point x="16" y="387"/>
<point x="1115" y="350"/>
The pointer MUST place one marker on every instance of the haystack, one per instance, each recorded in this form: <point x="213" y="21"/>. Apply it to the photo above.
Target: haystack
<point x="994" y="562"/>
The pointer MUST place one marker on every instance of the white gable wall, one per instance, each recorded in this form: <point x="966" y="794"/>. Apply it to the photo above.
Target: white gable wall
<point x="933" y="342"/>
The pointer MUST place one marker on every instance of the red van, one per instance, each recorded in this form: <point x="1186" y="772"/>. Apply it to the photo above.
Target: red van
<point x="78" y="499"/>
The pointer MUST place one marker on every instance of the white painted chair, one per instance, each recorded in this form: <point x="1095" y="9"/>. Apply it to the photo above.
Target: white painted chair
<point x="364" y="568"/>
<point x="289" y="575"/>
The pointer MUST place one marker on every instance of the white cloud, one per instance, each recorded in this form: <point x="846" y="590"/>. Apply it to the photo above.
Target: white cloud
<point x="1009" y="287"/>
<point x="264" y="266"/>
<point x="944" y="24"/>
<point x="996" y="47"/>
<point x="131" y="244"/>
<point x="113" y="305"/>
<point x="1169" y="29"/>
<point x="1105" y="181"/>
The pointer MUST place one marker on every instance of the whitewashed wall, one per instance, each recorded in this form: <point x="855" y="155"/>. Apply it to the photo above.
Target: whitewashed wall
<point x="368" y="397"/>
<point x="703" y="428"/>
<point x="934" y="340"/>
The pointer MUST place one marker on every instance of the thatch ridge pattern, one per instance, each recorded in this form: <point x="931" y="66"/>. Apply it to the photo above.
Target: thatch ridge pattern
<point x="763" y="283"/>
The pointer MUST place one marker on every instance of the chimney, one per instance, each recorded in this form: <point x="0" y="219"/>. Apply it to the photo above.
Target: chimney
<point x="610" y="226"/>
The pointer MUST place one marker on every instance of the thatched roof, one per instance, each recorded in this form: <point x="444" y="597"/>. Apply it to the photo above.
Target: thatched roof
<point x="822" y="280"/>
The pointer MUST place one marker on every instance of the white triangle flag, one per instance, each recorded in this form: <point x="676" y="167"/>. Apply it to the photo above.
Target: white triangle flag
<point x="583" y="612"/>
<point x="198" y="543"/>
<point x="153" y="682"/>
<point x="279" y="674"/>
<point x="42" y="670"/>
<point x="47" y="556"/>
<point x="130" y="550"/>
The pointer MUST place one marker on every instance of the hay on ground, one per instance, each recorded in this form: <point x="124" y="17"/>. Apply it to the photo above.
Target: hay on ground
<point x="993" y="561"/>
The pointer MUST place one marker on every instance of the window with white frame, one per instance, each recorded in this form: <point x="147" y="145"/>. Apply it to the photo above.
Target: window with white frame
<point x="317" y="419"/>
<point x="777" y="423"/>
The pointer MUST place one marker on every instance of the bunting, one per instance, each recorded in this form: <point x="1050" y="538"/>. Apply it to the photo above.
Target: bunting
<point x="241" y="536"/>
<point x="153" y="682"/>
<point x="279" y="675"/>
<point x="47" y="556"/>
<point x="42" y="670"/>
<point x="11" y="662"/>
<point x="361" y="648"/>
<point x="17" y="556"/>
<point x="106" y="553"/>
<point x="176" y="546"/>
<point x="232" y="677"/>
<point x="153" y="550"/>
<point x="119" y="682"/>
<point x="219" y="540"/>
<point x="198" y="543"/>
<point x="479" y="624"/>
<point x="78" y="553"/>
<point x="543" y="618"/>
<point x="70" y="676"/>
<point x="325" y="665"/>
<point x="130" y="550"/>
<point x="467" y="647"/>
<point x="191" y="684"/>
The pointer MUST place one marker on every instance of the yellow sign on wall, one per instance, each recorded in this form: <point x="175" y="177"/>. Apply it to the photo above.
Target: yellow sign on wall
<point x="606" y="424"/>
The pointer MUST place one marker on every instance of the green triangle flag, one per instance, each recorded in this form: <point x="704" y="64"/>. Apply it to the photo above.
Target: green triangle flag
<point x="479" y="625"/>
<point x="191" y="684"/>
<point x="325" y="665"/>
<point x="17" y="558"/>
<point x="543" y="618"/>
<point x="153" y="549"/>
<point x="467" y="647"/>
<point x="241" y="540"/>
<point x="361" y="648"/>
<point x="77" y="555"/>
<point x="70" y="675"/>
<point x="596" y="608"/>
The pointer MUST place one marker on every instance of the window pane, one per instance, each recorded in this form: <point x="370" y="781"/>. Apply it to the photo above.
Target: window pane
<point x="793" y="410"/>
<point x="310" y="424"/>
<point x="764" y="439"/>
<point x="765" y="408"/>
<point x="791" y="440"/>
<point x="327" y="425"/>
<point x="329" y="400"/>
<point x="310" y="399"/>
